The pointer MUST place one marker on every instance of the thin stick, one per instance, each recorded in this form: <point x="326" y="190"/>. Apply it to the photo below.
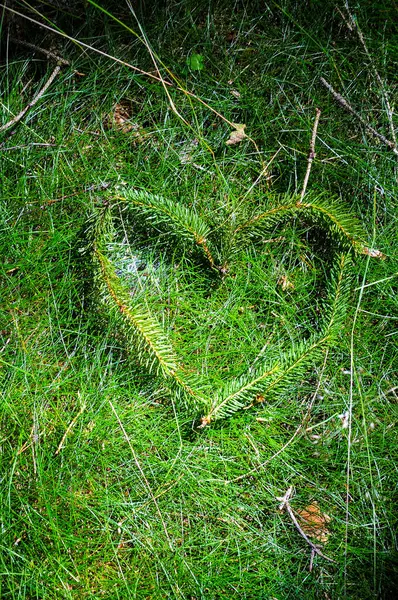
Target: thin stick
<point x="343" y="102"/>
<point x="33" y="144"/>
<point x="353" y="25"/>
<point x="151" y="54"/>
<point x="58" y="59"/>
<point x="82" y="44"/>
<point x="311" y="154"/>
<point x="34" y="101"/>
<point x="285" y="505"/>
<point x="290" y="440"/>
<point x="69" y="429"/>
<point x="312" y="560"/>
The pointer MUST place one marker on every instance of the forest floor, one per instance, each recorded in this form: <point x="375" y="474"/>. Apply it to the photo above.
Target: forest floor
<point x="109" y="487"/>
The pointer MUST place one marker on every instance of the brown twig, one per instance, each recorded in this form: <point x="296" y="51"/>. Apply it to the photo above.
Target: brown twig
<point x="48" y="53"/>
<point x="33" y="144"/>
<point x="311" y="154"/>
<point x="285" y="505"/>
<point x="343" y="103"/>
<point x="18" y="117"/>
<point x="352" y="25"/>
<point x="82" y="44"/>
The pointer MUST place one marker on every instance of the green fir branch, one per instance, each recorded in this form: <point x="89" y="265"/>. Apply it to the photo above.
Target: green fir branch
<point x="335" y="307"/>
<point x="271" y="380"/>
<point x="152" y="347"/>
<point x="142" y="331"/>
<point x="267" y="381"/>
<point x="181" y="222"/>
<point x="154" y="351"/>
<point x="330" y="213"/>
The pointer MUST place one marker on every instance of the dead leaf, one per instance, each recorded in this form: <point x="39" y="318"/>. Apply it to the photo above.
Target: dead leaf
<point x="121" y="119"/>
<point x="373" y="253"/>
<point x="314" y="522"/>
<point x="285" y="283"/>
<point x="237" y="135"/>
<point x="121" y="116"/>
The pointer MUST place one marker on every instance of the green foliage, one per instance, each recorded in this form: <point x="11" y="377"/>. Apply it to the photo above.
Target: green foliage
<point x="273" y="379"/>
<point x="187" y="228"/>
<point x="195" y="62"/>
<point x="322" y="210"/>
<point x="108" y="489"/>
<point x="152" y="347"/>
<point x="148" y="343"/>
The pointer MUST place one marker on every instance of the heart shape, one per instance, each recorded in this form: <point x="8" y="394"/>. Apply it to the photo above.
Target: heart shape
<point x="193" y="236"/>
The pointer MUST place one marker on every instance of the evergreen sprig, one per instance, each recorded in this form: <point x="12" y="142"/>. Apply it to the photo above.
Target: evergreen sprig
<point x="271" y="380"/>
<point x="153" y="349"/>
<point x="180" y="221"/>
<point x="322" y="210"/>
<point x="142" y="331"/>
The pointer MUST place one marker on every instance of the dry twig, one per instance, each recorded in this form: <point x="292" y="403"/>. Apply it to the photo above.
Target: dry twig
<point x="352" y="25"/>
<point x="32" y="145"/>
<point x="343" y="102"/>
<point x="23" y="112"/>
<point x="311" y="154"/>
<point x="285" y="505"/>
<point x="48" y="53"/>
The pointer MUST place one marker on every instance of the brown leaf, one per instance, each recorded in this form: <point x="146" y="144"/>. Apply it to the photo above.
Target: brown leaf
<point x="314" y="522"/>
<point x="285" y="283"/>
<point x="237" y="135"/>
<point x="373" y="253"/>
<point x="121" y="119"/>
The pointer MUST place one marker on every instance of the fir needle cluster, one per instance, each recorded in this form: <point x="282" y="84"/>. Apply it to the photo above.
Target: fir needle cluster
<point x="144" y="333"/>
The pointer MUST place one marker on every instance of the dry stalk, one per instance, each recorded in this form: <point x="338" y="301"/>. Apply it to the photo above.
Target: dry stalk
<point x="48" y="53"/>
<point x="32" y="145"/>
<point x="23" y="112"/>
<point x="352" y="25"/>
<point x="285" y="505"/>
<point x="69" y="429"/>
<point x="311" y="154"/>
<point x="344" y="104"/>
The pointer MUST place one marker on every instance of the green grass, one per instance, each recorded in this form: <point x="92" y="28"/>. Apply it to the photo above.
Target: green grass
<point x="137" y="501"/>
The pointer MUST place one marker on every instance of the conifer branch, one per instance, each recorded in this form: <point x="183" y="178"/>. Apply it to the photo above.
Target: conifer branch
<point x="183" y="223"/>
<point x="331" y="213"/>
<point x="141" y="329"/>
<point x="271" y="380"/>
